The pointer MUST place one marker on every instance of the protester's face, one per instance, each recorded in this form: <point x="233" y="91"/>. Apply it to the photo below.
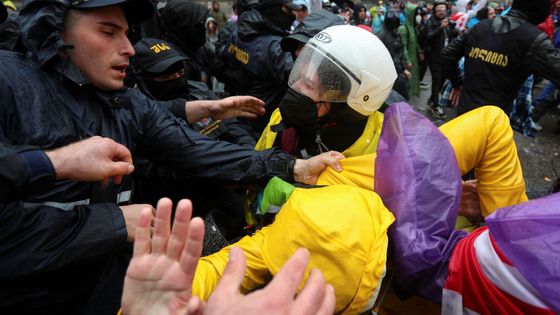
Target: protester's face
<point x="212" y="26"/>
<point x="440" y="12"/>
<point x="557" y="4"/>
<point x="301" y="14"/>
<point x="362" y="13"/>
<point x="491" y="13"/>
<point x="101" y="46"/>
<point x="215" y="6"/>
<point x="309" y="86"/>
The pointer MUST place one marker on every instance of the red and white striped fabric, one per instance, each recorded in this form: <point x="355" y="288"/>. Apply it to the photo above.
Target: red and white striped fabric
<point x="482" y="280"/>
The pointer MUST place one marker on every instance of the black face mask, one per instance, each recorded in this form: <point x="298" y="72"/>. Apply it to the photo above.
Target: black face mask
<point x="300" y="112"/>
<point x="167" y="90"/>
<point x="278" y="17"/>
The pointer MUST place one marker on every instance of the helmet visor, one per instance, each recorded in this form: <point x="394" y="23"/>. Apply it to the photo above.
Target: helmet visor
<point x="318" y="75"/>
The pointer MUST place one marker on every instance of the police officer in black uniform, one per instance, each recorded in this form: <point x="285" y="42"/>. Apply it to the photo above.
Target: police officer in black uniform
<point x="499" y="56"/>
<point x="254" y="62"/>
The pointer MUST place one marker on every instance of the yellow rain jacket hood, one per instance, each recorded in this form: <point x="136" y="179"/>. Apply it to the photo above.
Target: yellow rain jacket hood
<point x="343" y="227"/>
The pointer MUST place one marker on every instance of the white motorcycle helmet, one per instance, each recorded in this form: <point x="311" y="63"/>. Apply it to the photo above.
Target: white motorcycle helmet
<point x="345" y="63"/>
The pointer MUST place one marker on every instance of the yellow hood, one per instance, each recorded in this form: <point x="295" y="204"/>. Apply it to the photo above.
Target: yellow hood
<point x="345" y="230"/>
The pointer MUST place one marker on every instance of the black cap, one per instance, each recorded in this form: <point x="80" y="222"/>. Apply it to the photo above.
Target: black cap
<point x="135" y="10"/>
<point x="155" y="56"/>
<point x="309" y="27"/>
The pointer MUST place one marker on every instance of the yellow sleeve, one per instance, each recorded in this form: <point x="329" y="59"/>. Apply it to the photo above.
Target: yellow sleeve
<point x="357" y="171"/>
<point x="210" y="268"/>
<point x="266" y="141"/>
<point x="483" y="140"/>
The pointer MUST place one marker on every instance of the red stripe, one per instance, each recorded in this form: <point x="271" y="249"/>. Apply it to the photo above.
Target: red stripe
<point x="499" y="252"/>
<point x="479" y="293"/>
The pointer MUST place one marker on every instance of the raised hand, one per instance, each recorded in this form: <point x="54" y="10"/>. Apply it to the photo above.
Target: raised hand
<point x="159" y="277"/>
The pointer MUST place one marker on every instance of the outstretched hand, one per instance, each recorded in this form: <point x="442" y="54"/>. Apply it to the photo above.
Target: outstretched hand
<point x="279" y="296"/>
<point x="92" y="159"/>
<point x="308" y="171"/>
<point x="237" y="106"/>
<point x="229" y="107"/>
<point x="159" y="277"/>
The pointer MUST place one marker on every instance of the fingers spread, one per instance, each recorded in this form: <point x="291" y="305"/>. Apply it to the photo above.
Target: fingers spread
<point x="162" y="226"/>
<point x="180" y="229"/>
<point x="142" y="235"/>
<point x="193" y="248"/>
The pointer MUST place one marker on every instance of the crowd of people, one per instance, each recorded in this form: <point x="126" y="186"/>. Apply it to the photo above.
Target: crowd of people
<point x="285" y="125"/>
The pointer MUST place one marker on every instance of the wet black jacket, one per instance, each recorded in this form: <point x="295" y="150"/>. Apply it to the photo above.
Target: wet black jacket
<point x="48" y="238"/>
<point x="489" y="79"/>
<point x="434" y="39"/>
<point x="255" y="64"/>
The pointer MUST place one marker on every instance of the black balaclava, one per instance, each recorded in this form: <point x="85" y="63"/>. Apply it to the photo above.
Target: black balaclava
<point x="392" y="20"/>
<point x="277" y="16"/>
<point x="536" y="10"/>
<point x="167" y="90"/>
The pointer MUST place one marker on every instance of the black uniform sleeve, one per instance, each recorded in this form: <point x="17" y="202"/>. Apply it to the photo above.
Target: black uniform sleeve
<point x="170" y="143"/>
<point x="24" y="170"/>
<point x="543" y="59"/>
<point x="237" y="133"/>
<point x="176" y="107"/>
<point x="40" y="238"/>
<point x="450" y="59"/>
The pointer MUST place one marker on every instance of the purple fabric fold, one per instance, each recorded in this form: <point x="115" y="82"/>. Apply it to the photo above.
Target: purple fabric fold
<point x="417" y="177"/>
<point x="529" y="236"/>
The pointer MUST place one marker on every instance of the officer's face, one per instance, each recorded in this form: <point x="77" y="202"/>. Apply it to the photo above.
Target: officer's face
<point x="101" y="46"/>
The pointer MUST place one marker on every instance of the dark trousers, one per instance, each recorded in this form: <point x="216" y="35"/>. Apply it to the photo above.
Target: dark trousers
<point x="437" y="80"/>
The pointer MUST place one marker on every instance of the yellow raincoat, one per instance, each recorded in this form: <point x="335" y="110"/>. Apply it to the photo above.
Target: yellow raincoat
<point x="344" y="225"/>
